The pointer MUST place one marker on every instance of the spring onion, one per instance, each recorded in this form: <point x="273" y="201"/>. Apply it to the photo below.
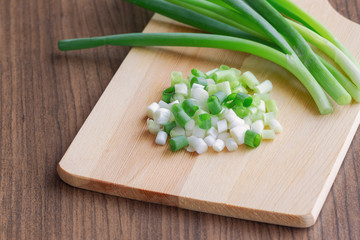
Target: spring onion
<point x="252" y="138"/>
<point x="200" y="125"/>
<point x="178" y="142"/>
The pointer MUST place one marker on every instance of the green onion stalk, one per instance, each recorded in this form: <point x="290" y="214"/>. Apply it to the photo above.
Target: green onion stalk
<point x="230" y="16"/>
<point x="289" y="62"/>
<point x="255" y="27"/>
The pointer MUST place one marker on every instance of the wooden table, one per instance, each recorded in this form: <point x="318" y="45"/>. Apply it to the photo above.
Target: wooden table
<point x="46" y="95"/>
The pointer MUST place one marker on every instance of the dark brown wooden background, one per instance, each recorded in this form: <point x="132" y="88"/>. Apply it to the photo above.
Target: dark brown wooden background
<point x="46" y="95"/>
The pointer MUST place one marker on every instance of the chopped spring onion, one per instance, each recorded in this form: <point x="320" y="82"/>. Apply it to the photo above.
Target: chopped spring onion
<point x="257" y="126"/>
<point x="161" y="138"/>
<point x="168" y="94"/>
<point x="210" y="140"/>
<point x="205" y="121"/>
<point x="214" y="105"/>
<point x="271" y="106"/>
<point x="180" y="115"/>
<point x="264" y="87"/>
<point x="231" y="145"/>
<point x="169" y="126"/>
<point x="221" y="122"/>
<point x="190" y="107"/>
<point x="268" y="134"/>
<point x="177" y="131"/>
<point x="178" y="142"/>
<point x="276" y="126"/>
<point x="151" y="109"/>
<point x="218" y="145"/>
<point x="198" y="80"/>
<point x="252" y="139"/>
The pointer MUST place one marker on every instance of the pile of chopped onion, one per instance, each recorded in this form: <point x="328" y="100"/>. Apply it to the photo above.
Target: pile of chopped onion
<point x="218" y="109"/>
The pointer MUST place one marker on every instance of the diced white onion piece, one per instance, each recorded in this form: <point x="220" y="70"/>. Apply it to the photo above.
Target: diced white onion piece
<point x="198" y="144"/>
<point x="231" y="115"/>
<point x="151" y="109"/>
<point x="222" y="126"/>
<point x="199" y="94"/>
<point x="218" y="145"/>
<point x="247" y="120"/>
<point x="276" y="126"/>
<point x="268" y="117"/>
<point x="264" y="87"/>
<point x="189" y="126"/>
<point x="172" y="103"/>
<point x="238" y="134"/>
<point x="163" y="104"/>
<point x="153" y="127"/>
<point x="177" y="131"/>
<point x="190" y="149"/>
<point x="223" y="136"/>
<point x="162" y="116"/>
<point x="210" y="140"/>
<point x="196" y="85"/>
<point x="210" y="81"/>
<point x="231" y="144"/>
<point x="181" y="88"/>
<point x="223" y="113"/>
<point x="214" y="120"/>
<point x="268" y="134"/>
<point x="261" y="106"/>
<point x="249" y="80"/>
<point x="198" y="132"/>
<point x="188" y="133"/>
<point x="202" y="105"/>
<point x="257" y="126"/>
<point x="253" y="109"/>
<point x="161" y="138"/>
<point x="212" y="132"/>
<point x="237" y="122"/>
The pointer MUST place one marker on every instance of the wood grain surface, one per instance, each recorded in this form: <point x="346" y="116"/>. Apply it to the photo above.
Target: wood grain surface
<point x="45" y="98"/>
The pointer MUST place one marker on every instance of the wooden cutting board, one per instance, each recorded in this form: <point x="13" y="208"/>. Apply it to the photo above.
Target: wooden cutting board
<point x="284" y="181"/>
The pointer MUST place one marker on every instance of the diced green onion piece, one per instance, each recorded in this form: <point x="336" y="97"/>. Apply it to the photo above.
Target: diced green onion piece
<point x="169" y="126"/>
<point x="271" y="106"/>
<point x="249" y="80"/>
<point x="214" y="105"/>
<point x="190" y="107"/>
<point x="167" y="94"/>
<point x="178" y="142"/>
<point x="221" y="96"/>
<point x="244" y="98"/>
<point x="196" y="72"/>
<point x="252" y="139"/>
<point x="197" y="114"/>
<point x="199" y="80"/>
<point x="180" y="115"/>
<point x="205" y="121"/>
<point x="229" y="100"/>
<point x="241" y="111"/>
<point x="224" y="67"/>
